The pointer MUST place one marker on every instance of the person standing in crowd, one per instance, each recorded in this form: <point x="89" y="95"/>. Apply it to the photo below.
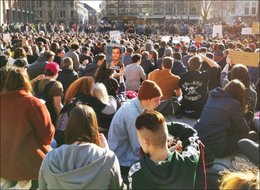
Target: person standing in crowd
<point x="134" y="73"/>
<point x="72" y="53"/>
<point x="191" y="52"/>
<point x="122" y="135"/>
<point x="25" y="137"/>
<point x="59" y="55"/>
<point x="161" y="166"/>
<point x="67" y="75"/>
<point x="194" y="86"/>
<point x="85" y="161"/>
<point x="38" y="66"/>
<point x="147" y="63"/>
<point x="128" y="56"/>
<point x="90" y="69"/>
<point x="55" y="91"/>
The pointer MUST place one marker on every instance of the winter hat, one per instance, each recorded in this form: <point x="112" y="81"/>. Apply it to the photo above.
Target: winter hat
<point x="149" y="90"/>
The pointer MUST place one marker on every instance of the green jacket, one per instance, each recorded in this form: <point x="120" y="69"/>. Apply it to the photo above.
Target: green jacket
<point x="177" y="171"/>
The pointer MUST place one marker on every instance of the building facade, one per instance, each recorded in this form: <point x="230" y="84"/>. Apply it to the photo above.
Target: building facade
<point x="13" y="11"/>
<point x="92" y="14"/>
<point x="56" y="11"/>
<point x="149" y="11"/>
<point x="233" y="11"/>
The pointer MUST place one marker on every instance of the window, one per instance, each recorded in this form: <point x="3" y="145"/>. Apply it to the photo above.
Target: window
<point x="246" y="11"/>
<point x="72" y="14"/>
<point x="62" y="14"/>
<point x="253" y="11"/>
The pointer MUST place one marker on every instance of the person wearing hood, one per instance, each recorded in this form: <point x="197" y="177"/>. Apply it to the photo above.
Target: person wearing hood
<point x="222" y="123"/>
<point x="85" y="161"/>
<point x="163" y="167"/>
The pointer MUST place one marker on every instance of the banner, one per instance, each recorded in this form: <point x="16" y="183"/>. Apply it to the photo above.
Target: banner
<point x="115" y="36"/>
<point x="246" y="31"/>
<point x="255" y="28"/>
<point x="217" y="31"/>
<point x="6" y="37"/>
<point x="245" y="58"/>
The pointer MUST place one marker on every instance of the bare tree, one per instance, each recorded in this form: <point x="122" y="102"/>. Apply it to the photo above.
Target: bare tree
<point x="204" y="7"/>
<point x="53" y="10"/>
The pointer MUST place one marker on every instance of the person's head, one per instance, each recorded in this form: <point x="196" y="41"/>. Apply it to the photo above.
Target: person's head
<point x="195" y="63"/>
<point x="54" y="46"/>
<point x="167" y="63"/>
<point x="240" y="180"/>
<point x="177" y="55"/>
<point x="41" y="33"/>
<point x="129" y="50"/>
<point x="103" y="73"/>
<point x="154" y="55"/>
<point x="136" y="58"/>
<point x="152" y="131"/>
<point x="192" y="49"/>
<point x="82" y="125"/>
<point x="20" y="63"/>
<point x="99" y="58"/>
<point x="83" y="85"/>
<point x="74" y="46"/>
<point x="3" y="60"/>
<point x="19" y="53"/>
<point x="116" y="54"/>
<point x="67" y="62"/>
<point x="52" y="69"/>
<point x="241" y="73"/>
<point x="236" y="90"/>
<point x="162" y="44"/>
<point x="14" y="78"/>
<point x="145" y="54"/>
<point x="167" y="52"/>
<point x="100" y="92"/>
<point x="48" y="55"/>
<point x="149" y="94"/>
<point x="60" y="52"/>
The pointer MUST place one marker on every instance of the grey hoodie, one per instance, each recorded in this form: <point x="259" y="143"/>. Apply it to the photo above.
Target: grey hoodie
<point x="85" y="166"/>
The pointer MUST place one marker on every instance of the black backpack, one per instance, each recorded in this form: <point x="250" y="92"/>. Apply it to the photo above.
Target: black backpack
<point x="44" y="95"/>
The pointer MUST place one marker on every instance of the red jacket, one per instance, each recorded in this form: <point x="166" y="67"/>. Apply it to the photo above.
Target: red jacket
<point x="26" y="134"/>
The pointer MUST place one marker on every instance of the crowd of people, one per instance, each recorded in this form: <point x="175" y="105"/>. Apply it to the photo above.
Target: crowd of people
<point x="68" y="121"/>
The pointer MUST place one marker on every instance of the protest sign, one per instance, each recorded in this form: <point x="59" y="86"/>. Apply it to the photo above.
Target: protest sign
<point x="255" y="28"/>
<point x="166" y="38"/>
<point x="115" y="36"/>
<point x="246" y="31"/>
<point x="245" y="58"/>
<point x="115" y="56"/>
<point x="217" y="31"/>
<point x="198" y="39"/>
<point x="6" y="37"/>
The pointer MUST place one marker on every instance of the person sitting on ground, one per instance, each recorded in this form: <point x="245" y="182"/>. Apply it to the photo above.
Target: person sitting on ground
<point x="122" y="136"/>
<point x="222" y="123"/>
<point x="167" y="81"/>
<point x="240" y="180"/>
<point x="85" y="161"/>
<point x="241" y="73"/>
<point x="162" y="167"/>
<point x="134" y="73"/>
<point x="194" y="86"/>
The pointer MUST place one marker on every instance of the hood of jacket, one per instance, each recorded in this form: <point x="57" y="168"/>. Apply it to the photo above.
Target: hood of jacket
<point x="218" y="92"/>
<point x="74" y="166"/>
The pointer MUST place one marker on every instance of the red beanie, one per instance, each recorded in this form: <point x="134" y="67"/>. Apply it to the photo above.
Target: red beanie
<point x="149" y="90"/>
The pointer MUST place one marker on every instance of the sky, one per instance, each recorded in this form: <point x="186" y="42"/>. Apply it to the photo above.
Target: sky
<point x="94" y="4"/>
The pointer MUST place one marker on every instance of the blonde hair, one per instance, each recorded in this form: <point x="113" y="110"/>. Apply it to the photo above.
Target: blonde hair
<point x="100" y="92"/>
<point x="240" y="180"/>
